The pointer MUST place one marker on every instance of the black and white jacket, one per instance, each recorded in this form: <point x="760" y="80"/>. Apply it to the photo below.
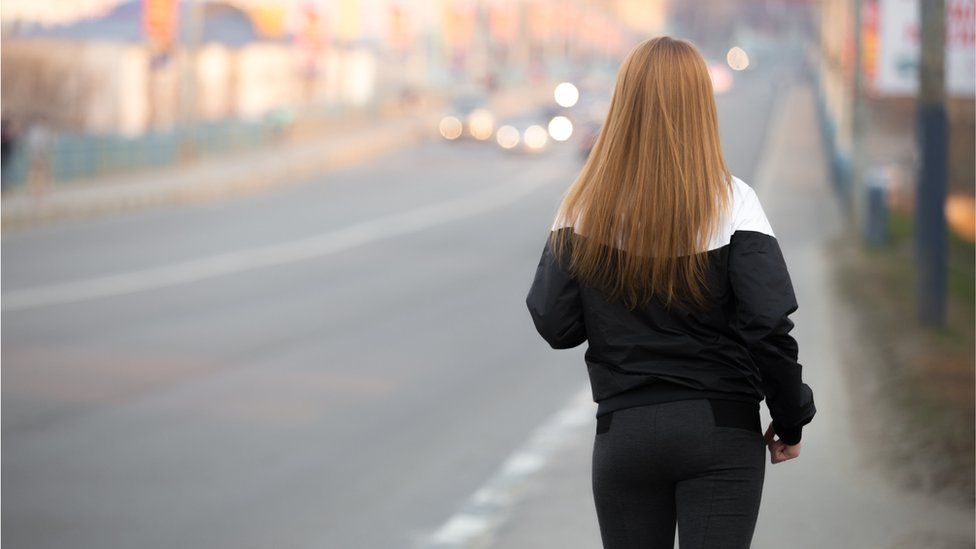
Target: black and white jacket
<point x="739" y="349"/>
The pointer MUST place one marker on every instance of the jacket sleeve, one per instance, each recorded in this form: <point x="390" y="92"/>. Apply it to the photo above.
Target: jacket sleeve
<point x="554" y="303"/>
<point x="764" y="301"/>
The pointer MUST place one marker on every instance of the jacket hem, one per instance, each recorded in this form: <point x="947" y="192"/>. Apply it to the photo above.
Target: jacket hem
<point x="664" y="391"/>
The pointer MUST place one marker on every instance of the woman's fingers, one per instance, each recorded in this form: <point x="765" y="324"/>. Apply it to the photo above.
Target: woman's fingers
<point x="779" y="451"/>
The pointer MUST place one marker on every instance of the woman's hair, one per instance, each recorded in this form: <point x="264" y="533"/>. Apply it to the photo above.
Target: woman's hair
<point x="655" y="184"/>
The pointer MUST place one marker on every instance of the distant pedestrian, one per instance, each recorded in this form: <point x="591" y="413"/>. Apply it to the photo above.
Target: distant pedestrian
<point x="8" y="144"/>
<point x="666" y="265"/>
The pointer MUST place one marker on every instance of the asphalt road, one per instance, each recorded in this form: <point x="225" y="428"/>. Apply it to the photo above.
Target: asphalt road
<point x="336" y="364"/>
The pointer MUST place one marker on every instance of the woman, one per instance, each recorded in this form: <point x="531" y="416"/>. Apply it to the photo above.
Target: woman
<point x="665" y="263"/>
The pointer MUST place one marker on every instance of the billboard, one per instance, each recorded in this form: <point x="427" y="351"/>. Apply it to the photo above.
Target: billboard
<point x="892" y="47"/>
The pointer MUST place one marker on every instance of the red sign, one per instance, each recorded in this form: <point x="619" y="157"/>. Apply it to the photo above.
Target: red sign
<point x="159" y="23"/>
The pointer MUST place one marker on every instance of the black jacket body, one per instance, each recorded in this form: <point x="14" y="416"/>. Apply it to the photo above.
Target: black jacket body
<point x="739" y="348"/>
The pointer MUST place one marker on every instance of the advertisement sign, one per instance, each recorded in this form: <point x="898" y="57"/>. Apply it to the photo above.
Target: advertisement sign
<point x="892" y="40"/>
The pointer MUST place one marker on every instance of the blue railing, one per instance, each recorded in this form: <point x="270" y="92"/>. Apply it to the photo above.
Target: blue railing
<point x="79" y="156"/>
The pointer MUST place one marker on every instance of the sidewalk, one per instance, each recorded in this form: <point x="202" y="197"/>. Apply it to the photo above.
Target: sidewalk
<point x="238" y="173"/>
<point x="831" y="496"/>
<point x="208" y="178"/>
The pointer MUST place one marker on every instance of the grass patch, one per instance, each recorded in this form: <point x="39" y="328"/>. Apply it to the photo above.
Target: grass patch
<point x="919" y="381"/>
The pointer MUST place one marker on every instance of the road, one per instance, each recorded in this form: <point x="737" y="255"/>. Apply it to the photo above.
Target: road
<point x="336" y="364"/>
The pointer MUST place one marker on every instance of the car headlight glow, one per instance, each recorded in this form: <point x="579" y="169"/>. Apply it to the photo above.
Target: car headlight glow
<point x="737" y="58"/>
<point x="507" y="137"/>
<point x="535" y="137"/>
<point x="560" y="128"/>
<point x="566" y="94"/>
<point x="481" y="124"/>
<point x="450" y="127"/>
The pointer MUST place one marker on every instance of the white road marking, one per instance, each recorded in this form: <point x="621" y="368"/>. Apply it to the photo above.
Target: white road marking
<point x="312" y="247"/>
<point x="487" y="509"/>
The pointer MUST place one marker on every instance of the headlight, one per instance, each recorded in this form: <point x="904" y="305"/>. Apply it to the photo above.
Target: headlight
<point x="535" y="137"/>
<point x="481" y="124"/>
<point x="566" y="95"/>
<point x="560" y="128"/>
<point x="507" y="137"/>
<point x="737" y="58"/>
<point x="450" y="127"/>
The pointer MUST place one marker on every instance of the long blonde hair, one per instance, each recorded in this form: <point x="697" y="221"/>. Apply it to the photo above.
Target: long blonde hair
<point x="655" y="184"/>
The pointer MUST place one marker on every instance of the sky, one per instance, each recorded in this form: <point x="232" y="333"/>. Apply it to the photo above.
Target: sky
<point x="65" y="11"/>
<point x="52" y="11"/>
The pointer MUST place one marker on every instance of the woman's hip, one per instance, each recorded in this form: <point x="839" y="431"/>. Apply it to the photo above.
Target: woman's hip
<point x="670" y="441"/>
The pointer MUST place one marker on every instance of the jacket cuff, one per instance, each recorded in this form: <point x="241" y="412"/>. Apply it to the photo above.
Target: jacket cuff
<point x="789" y="436"/>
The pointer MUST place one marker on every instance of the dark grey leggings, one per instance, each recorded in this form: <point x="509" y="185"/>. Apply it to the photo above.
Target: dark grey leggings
<point x="698" y="463"/>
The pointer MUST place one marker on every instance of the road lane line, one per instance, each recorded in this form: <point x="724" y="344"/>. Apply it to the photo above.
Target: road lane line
<point x="475" y="523"/>
<point x="223" y="264"/>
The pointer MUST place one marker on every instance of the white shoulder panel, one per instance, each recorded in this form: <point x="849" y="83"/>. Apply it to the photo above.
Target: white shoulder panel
<point x="745" y="213"/>
<point x="749" y="215"/>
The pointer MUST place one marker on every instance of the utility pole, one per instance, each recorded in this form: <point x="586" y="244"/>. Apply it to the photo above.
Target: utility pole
<point x="856" y="175"/>
<point x="931" y="247"/>
<point x="188" y="97"/>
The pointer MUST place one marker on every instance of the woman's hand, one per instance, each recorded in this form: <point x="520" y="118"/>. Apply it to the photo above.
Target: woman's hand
<point x="779" y="450"/>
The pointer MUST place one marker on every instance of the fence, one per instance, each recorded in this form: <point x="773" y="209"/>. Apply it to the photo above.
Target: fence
<point x="78" y="156"/>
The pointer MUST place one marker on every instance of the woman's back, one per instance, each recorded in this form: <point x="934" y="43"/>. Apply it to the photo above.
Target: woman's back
<point x="738" y="347"/>
<point x="666" y="265"/>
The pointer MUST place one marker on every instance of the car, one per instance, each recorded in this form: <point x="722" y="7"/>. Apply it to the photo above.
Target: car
<point x="468" y="117"/>
<point x="526" y="134"/>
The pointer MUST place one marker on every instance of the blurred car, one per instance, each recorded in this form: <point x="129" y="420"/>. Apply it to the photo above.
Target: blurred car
<point x="526" y="134"/>
<point x="467" y="117"/>
<point x="537" y="130"/>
